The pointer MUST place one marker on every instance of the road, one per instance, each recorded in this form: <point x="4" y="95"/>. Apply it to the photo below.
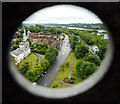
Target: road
<point x="54" y="68"/>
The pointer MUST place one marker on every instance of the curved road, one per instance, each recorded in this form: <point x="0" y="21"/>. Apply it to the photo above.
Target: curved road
<point x="54" y="68"/>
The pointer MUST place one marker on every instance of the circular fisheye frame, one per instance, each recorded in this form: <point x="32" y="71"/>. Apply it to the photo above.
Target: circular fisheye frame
<point x="59" y="52"/>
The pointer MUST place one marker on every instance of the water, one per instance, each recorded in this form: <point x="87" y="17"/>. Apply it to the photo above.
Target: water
<point x="78" y="28"/>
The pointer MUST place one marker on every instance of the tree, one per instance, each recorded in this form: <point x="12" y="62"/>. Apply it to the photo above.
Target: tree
<point x="75" y="38"/>
<point x="101" y="52"/>
<point x="67" y="64"/>
<point x="51" y="54"/>
<point x="85" y="69"/>
<point x="22" y="70"/>
<point x="73" y="44"/>
<point x="80" y="51"/>
<point x="31" y="75"/>
<point x="14" y="47"/>
<point x="62" y="66"/>
<point x="93" y="59"/>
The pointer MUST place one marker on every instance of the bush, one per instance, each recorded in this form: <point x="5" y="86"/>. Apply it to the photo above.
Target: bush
<point x="67" y="64"/>
<point x="37" y="69"/>
<point x="85" y="69"/>
<point x="80" y="51"/>
<point x="22" y="70"/>
<point x="51" y="54"/>
<point x="93" y="59"/>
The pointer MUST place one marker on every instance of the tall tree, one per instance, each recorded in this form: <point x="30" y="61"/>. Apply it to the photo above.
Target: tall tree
<point x="80" y="51"/>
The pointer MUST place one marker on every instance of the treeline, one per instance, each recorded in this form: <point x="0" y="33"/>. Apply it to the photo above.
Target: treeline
<point x="40" y="28"/>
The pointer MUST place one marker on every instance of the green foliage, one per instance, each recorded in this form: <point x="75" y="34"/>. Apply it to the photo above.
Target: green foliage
<point x="13" y="47"/>
<point x="75" y="38"/>
<point x="31" y="75"/>
<point x="85" y="69"/>
<point x="23" y="68"/>
<point x="93" y="59"/>
<point x="73" y="45"/>
<point x="67" y="64"/>
<point x="39" y="48"/>
<point x="51" y="54"/>
<point x="37" y="69"/>
<point x="80" y="51"/>
<point x="101" y="52"/>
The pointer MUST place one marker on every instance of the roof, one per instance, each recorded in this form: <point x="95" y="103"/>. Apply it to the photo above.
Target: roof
<point x="24" y="48"/>
<point x="17" y="52"/>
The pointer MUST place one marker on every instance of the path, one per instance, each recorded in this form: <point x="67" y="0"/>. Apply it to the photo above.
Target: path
<point x="39" y="57"/>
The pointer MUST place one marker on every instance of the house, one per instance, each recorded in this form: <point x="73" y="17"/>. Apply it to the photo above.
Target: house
<point x="95" y="48"/>
<point x="22" y="52"/>
<point x="105" y="36"/>
<point x="55" y="44"/>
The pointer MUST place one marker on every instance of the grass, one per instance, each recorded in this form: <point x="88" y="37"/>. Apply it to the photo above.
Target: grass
<point x="64" y="73"/>
<point x="57" y="84"/>
<point x="32" y="58"/>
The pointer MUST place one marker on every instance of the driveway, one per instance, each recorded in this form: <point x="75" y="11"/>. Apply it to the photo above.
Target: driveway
<point x="54" y="68"/>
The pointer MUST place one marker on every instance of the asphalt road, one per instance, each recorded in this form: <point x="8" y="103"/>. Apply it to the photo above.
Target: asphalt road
<point x="54" y="68"/>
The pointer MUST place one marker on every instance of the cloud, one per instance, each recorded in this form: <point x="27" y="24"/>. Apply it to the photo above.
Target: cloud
<point x="63" y="14"/>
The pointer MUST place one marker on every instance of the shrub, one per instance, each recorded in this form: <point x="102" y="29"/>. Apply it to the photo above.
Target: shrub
<point x="93" y="59"/>
<point x="80" y="51"/>
<point x="85" y="69"/>
<point x="51" y="54"/>
<point x="67" y="64"/>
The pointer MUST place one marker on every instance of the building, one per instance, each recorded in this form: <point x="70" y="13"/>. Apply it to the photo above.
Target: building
<point x="105" y="36"/>
<point x="22" y="52"/>
<point x="95" y="48"/>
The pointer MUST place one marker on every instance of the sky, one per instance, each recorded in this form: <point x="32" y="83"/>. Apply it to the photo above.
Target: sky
<point x="63" y="14"/>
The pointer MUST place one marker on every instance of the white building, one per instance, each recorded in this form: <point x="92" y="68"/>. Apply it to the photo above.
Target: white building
<point x="22" y="52"/>
<point x="95" y="48"/>
<point x="105" y="36"/>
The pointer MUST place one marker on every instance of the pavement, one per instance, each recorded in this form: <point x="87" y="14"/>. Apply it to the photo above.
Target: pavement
<point x="54" y="68"/>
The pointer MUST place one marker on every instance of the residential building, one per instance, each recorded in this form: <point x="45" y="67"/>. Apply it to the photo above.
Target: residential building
<point x="95" y="48"/>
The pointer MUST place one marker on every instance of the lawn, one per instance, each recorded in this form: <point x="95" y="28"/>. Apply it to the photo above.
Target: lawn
<point x="32" y="58"/>
<point x="57" y="84"/>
